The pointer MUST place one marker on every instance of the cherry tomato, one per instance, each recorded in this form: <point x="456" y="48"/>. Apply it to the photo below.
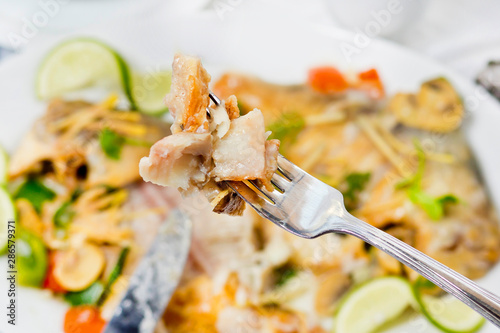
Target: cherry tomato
<point x="371" y="83"/>
<point x="327" y="80"/>
<point x="50" y="282"/>
<point x="83" y="319"/>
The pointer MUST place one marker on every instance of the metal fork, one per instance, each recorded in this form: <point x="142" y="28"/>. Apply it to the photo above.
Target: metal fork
<point x="309" y="208"/>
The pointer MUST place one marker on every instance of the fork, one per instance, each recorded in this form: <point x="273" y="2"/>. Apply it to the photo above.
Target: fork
<point x="309" y="208"/>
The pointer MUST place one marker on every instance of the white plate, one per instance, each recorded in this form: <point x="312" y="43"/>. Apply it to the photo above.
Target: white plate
<point x="259" y="43"/>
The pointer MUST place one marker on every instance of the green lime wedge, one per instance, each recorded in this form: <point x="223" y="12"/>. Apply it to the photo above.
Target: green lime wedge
<point x="448" y="313"/>
<point x="3" y="166"/>
<point x="7" y="212"/>
<point x="79" y="63"/>
<point x="149" y="91"/>
<point x="373" y="304"/>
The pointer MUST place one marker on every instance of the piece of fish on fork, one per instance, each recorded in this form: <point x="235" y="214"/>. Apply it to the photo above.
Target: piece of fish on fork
<point x="309" y="208"/>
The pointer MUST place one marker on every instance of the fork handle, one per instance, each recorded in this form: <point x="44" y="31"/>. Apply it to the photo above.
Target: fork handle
<point x="467" y="291"/>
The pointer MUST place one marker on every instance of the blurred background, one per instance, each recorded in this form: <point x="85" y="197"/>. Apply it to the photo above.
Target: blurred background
<point x="464" y="34"/>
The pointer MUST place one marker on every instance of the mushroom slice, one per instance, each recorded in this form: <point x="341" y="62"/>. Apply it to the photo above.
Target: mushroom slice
<point x="436" y="107"/>
<point x="78" y="268"/>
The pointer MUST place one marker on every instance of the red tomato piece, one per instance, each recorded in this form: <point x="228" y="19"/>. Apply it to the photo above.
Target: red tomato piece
<point x="50" y="282"/>
<point x="371" y="83"/>
<point x="83" y="319"/>
<point x="327" y="80"/>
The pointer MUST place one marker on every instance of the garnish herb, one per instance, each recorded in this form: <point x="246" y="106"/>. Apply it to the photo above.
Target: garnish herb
<point x="89" y="296"/>
<point x="434" y="207"/>
<point x="287" y="127"/>
<point x="64" y="215"/>
<point x="76" y="193"/>
<point x="115" y="273"/>
<point x="35" y="192"/>
<point x="355" y="183"/>
<point x="112" y="143"/>
<point x="117" y="270"/>
<point x="284" y="274"/>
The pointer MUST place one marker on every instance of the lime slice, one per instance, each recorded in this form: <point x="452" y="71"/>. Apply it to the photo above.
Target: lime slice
<point x="373" y="304"/>
<point x="149" y="91"/>
<point x="3" y="166"/>
<point x="79" y="63"/>
<point x="448" y="313"/>
<point x="7" y="212"/>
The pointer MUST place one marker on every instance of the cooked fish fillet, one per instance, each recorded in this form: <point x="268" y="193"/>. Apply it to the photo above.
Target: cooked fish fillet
<point x="240" y="154"/>
<point x="66" y="139"/>
<point x="231" y="277"/>
<point x="181" y="160"/>
<point x="202" y="151"/>
<point x="188" y="98"/>
<point x="466" y="238"/>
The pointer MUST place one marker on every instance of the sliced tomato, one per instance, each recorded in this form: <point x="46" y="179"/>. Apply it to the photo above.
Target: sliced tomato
<point x="83" y="319"/>
<point x="327" y="80"/>
<point x="370" y="82"/>
<point x="50" y="282"/>
<point x="369" y="75"/>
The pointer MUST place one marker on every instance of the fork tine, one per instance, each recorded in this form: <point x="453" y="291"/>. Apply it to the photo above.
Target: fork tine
<point x="262" y="190"/>
<point x="214" y="98"/>
<point x="278" y="187"/>
<point x="287" y="168"/>
<point x="271" y="195"/>
<point x="264" y="208"/>
<point x="280" y="182"/>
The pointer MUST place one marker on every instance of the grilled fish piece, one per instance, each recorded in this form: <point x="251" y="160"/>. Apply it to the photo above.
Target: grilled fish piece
<point x="382" y="144"/>
<point x="203" y="151"/>
<point x="66" y="141"/>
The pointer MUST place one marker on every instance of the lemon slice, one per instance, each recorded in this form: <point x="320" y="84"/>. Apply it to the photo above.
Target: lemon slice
<point x="149" y="91"/>
<point x="373" y="304"/>
<point x="79" y="63"/>
<point x="448" y="313"/>
<point x="7" y="212"/>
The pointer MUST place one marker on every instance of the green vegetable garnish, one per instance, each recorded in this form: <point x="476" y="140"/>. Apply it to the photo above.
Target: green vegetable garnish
<point x="284" y="274"/>
<point x="287" y="127"/>
<point x="89" y="296"/>
<point x="115" y="273"/>
<point x="112" y="143"/>
<point x="431" y="206"/>
<point x="434" y="207"/>
<point x="64" y="215"/>
<point x="35" y="192"/>
<point x="355" y="182"/>
<point x="32" y="261"/>
<point x="447" y="199"/>
<point x="76" y="193"/>
<point x="117" y="270"/>
<point x="414" y="181"/>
